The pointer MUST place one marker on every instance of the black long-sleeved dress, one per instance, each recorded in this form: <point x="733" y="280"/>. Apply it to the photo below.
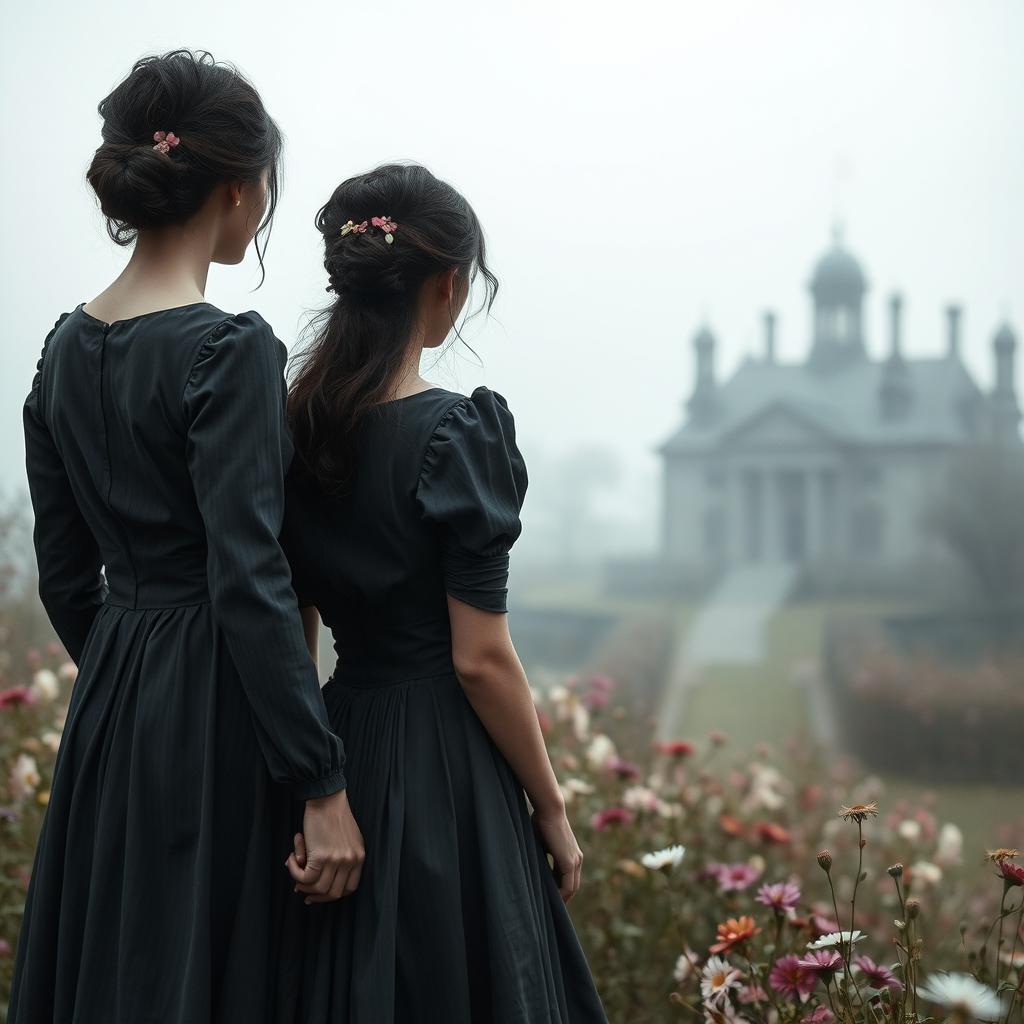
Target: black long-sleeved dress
<point x="156" y="449"/>
<point x="457" y="918"/>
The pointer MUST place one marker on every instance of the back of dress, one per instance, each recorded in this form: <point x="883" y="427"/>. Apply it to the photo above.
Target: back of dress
<point x="432" y="509"/>
<point x="156" y="450"/>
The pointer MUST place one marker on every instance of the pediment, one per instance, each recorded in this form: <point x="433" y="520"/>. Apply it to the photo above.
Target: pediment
<point x="781" y="425"/>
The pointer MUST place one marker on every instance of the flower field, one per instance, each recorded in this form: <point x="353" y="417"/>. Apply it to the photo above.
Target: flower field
<point x="774" y="885"/>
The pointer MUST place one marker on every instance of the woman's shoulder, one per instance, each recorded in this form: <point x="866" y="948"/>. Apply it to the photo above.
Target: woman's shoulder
<point x="471" y="413"/>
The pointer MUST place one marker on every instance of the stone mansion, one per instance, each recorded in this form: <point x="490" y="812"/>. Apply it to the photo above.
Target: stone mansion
<point x="831" y="460"/>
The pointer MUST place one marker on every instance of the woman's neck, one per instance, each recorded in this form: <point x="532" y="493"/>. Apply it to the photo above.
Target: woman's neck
<point x="168" y="267"/>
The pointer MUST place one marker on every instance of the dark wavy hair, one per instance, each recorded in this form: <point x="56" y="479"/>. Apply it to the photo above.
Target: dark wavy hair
<point x="226" y="135"/>
<point x="360" y="340"/>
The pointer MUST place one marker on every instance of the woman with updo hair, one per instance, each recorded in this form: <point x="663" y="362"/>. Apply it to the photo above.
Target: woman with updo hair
<point x="156" y="449"/>
<point x="403" y="502"/>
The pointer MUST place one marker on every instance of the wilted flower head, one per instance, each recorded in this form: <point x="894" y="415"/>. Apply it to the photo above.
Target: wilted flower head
<point x="858" y="812"/>
<point x="1002" y="853"/>
<point x="964" y="993"/>
<point x="825" y="861"/>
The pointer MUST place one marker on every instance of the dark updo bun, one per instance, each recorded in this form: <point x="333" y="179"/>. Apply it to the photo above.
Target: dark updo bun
<point x="225" y="135"/>
<point x="362" y="338"/>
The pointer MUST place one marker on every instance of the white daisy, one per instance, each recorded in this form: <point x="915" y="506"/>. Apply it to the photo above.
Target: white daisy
<point x="600" y="751"/>
<point x="836" y="939"/>
<point x="670" y="857"/>
<point x="45" y="685"/>
<point x="717" y="978"/>
<point x="24" y="776"/>
<point x="964" y="993"/>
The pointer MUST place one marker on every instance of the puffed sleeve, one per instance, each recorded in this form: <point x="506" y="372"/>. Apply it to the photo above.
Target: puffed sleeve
<point x="71" y="583"/>
<point x="471" y="488"/>
<point x="238" y="448"/>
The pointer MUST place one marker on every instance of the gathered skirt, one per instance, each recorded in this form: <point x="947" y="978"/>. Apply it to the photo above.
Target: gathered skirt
<point x="457" y="918"/>
<point x="158" y="884"/>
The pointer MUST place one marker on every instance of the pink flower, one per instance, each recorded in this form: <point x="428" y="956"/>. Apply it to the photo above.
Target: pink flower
<point x="733" y="877"/>
<point x="604" y="820"/>
<point x="752" y="994"/>
<point x="782" y="897"/>
<point x="1010" y="873"/>
<point x="788" y="978"/>
<point x="602" y="684"/>
<point x="596" y="699"/>
<point x="14" y="696"/>
<point x="624" y="769"/>
<point x="877" y="976"/>
<point x="819" y="1015"/>
<point x="823" y="962"/>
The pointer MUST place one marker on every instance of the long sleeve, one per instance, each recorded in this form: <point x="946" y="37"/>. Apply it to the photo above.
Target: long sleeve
<point x="471" y="488"/>
<point x="237" y="449"/>
<point x="71" y="584"/>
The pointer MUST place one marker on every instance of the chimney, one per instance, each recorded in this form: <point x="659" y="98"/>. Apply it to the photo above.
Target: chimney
<point x="953" y="331"/>
<point x="896" y="326"/>
<point x="1005" y="410"/>
<point x="769" y="336"/>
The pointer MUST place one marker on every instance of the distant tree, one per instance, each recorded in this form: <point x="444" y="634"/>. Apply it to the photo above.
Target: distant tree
<point x="980" y="515"/>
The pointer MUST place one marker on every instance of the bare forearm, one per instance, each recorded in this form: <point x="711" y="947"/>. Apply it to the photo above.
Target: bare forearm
<point x="499" y="692"/>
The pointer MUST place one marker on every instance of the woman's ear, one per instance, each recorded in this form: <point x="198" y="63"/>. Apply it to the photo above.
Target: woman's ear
<point x="450" y="284"/>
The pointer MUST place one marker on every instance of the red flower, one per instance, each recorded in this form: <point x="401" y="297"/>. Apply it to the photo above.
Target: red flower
<point x="14" y="696"/>
<point x="604" y="820"/>
<point x="731" y="825"/>
<point x="675" y="748"/>
<point x="733" y="932"/>
<point x="771" y="833"/>
<point x="1010" y="873"/>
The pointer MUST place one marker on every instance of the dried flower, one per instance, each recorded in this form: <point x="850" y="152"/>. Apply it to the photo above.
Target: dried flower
<point x="825" y="861"/>
<point x="1001" y="854"/>
<point x="858" y="812"/>
<point x="896" y="871"/>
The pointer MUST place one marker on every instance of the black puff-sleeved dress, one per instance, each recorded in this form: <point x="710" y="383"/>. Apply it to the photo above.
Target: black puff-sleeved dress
<point x="156" y="450"/>
<point x="457" y="918"/>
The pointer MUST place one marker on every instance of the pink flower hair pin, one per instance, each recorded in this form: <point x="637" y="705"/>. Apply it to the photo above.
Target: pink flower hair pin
<point x="385" y="223"/>
<point x="165" y="141"/>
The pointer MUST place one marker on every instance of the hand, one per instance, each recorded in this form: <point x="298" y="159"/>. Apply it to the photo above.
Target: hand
<point x="558" y="839"/>
<point x="327" y="859"/>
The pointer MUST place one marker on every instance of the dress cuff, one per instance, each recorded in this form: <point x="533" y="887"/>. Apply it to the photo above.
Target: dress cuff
<point x="321" y="787"/>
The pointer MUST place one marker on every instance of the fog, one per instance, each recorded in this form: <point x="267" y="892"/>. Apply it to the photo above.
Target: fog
<point x="637" y="170"/>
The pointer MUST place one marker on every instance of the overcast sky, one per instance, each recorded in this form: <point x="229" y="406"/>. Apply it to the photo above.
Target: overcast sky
<point x="636" y="166"/>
